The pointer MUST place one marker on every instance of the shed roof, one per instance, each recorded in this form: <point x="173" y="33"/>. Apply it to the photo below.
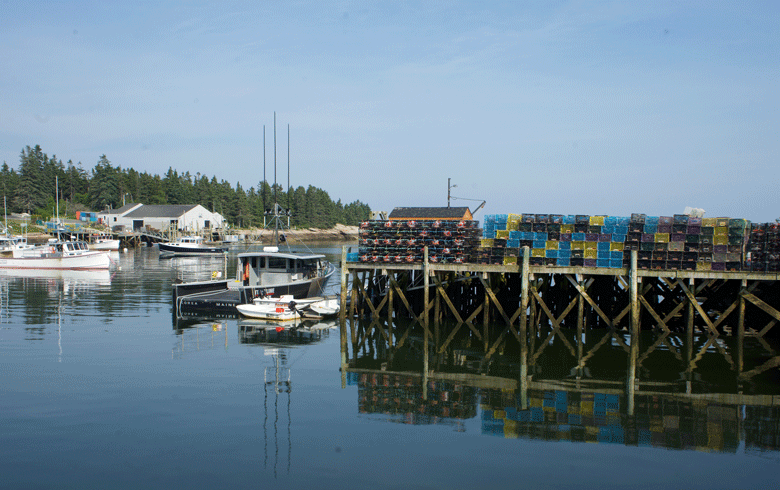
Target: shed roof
<point x="124" y="209"/>
<point x="160" y="211"/>
<point x="442" y="213"/>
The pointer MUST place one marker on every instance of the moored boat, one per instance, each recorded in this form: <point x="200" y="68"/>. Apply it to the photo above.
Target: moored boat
<point x="189" y="246"/>
<point x="74" y="255"/>
<point x="103" y="241"/>
<point x="268" y="273"/>
<point x="10" y="244"/>
<point x="286" y="308"/>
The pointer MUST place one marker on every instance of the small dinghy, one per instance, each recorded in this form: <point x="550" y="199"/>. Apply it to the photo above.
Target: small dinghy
<point x="287" y="308"/>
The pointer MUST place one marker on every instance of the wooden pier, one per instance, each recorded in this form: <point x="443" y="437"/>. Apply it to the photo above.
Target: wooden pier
<point x="523" y="308"/>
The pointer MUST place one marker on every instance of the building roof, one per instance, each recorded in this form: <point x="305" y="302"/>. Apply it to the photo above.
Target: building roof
<point x="160" y="211"/>
<point x="123" y="209"/>
<point x="443" y="213"/>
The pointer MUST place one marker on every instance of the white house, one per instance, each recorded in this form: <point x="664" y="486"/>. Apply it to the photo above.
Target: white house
<point x="191" y="218"/>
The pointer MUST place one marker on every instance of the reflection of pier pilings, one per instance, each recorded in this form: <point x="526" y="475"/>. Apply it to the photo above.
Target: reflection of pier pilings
<point x="672" y="414"/>
<point x="526" y="309"/>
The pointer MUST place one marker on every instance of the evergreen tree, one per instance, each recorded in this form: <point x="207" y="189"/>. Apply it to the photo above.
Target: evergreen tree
<point x="31" y="190"/>
<point x="104" y="188"/>
<point x="32" y="187"/>
<point x="9" y="181"/>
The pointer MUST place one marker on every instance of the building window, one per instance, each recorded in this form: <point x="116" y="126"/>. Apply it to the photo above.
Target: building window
<point x="114" y="218"/>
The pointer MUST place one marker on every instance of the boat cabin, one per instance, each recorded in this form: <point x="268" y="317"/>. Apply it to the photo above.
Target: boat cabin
<point x="72" y="248"/>
<point x="9" y="243"/>
<point x="195" y="241"/>
<point x="271" y="268"/>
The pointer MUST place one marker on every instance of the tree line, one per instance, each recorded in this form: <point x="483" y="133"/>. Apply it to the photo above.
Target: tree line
<point x="31" y="189"/>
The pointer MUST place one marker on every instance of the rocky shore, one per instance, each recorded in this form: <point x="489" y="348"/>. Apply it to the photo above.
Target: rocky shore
<point x="339" y="232"/>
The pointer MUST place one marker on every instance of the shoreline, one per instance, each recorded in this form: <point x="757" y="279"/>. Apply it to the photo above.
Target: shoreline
<point x="339" y="232"/>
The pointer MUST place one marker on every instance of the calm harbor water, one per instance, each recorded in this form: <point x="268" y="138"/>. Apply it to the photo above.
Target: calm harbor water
<point x="102" y="387"/>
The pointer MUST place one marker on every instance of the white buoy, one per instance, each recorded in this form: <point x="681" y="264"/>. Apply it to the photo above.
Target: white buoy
<point x="124" y="250"/>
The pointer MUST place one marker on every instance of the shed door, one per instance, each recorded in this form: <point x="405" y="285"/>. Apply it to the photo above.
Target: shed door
<point x="138" y="224"/>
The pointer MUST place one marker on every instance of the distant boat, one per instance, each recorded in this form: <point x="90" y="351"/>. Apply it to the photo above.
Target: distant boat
<point x="189" y="246"/>
<point x="103" y="241"/>
<point x="9" y="244"/>
<point x="55" y="254"/>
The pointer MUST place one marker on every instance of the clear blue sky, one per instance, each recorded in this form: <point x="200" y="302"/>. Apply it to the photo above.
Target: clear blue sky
<point x="570" y="107"/>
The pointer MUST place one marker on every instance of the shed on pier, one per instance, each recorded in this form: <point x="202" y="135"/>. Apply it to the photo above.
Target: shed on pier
<point x="441" y="214"/>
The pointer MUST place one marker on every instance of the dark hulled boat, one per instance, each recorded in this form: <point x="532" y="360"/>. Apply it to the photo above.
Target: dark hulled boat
<point x="258" y="274"/>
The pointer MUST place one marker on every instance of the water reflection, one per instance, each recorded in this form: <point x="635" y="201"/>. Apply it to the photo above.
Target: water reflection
<point x="258" y="332"/>
<point x="196" y="336"/>
<point x="68" y="278"/>
<point x="278" y="342"/>
<point x="689" y="395"/>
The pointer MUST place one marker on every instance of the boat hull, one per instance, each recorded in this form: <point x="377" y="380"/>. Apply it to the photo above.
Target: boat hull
<point x="280" y="314"/>
<point x="284" y="308"/>
<point x="177" y="250"/>
<point x="86" y="261"/>
<point x="220" y="298"/>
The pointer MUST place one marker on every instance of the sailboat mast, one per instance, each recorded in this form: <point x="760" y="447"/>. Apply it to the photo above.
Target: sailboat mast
<point x="265" y="181"/>
<point x="288" y="176"/>
<point x="276" y="201"/>
<point x="57" y="199"/>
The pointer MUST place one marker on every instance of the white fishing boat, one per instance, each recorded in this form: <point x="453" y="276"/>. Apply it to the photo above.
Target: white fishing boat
<point x="73" y="255"/>
<point x="103" y="241"/>
<point x="286" y="308"/>
<point x="56" y="254"/>
<point x="10" y="243"/>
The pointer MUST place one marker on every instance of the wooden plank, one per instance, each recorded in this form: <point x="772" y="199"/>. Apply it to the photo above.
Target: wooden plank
<point x="556" y="326"/>
<point x="595" y="349"/>
<point x="769" y="325"/>
<point x="770" y="364"/>
<point x="702" y="351"/>
<point x="402" y="296"/>
<point x="655" y="315"/>
<point x="447" y="300"/>
<point x="493" y="298"/>
<point x="768" y="309"/>
<point x="593" y="305"/>
<point x="374" y="310"/>
<point x="699" y="309"/>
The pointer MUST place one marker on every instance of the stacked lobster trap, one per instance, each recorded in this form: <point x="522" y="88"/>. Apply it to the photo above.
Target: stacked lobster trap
<point x="678" y="242"/>
<point x="403" y="241"/>
<point x="763" y="248"/>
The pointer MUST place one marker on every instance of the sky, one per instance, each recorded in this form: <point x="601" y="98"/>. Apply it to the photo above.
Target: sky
<point x="557" y="107"/>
